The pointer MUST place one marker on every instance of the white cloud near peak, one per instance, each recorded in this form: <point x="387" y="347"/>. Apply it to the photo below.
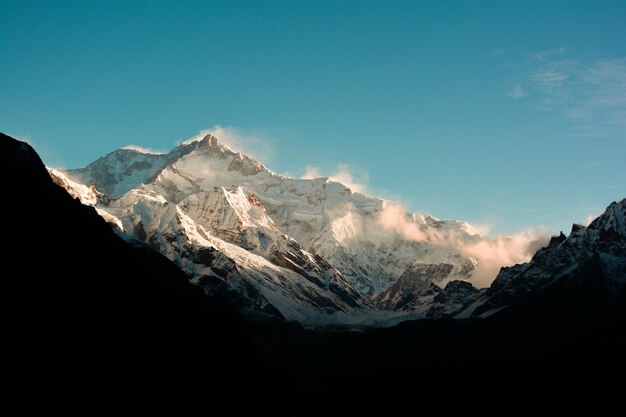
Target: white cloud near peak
<point x="342" y="174"/>
<point x="311" y="172"/>
<point x="252" y="142"/>
<point x="143" y="149"/>
<point x="347" y="178"/>
<point x="492" y="253"/>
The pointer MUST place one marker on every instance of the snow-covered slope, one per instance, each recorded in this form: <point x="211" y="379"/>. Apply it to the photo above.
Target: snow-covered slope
<point x="301" y="289"/>
<point x="89" y="196"/>
<point x="120" y="170"/>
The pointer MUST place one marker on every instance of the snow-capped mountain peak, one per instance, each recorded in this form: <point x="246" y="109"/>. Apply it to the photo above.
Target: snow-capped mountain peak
<point x="202" y="194"/>
<point x="305" y="250"/>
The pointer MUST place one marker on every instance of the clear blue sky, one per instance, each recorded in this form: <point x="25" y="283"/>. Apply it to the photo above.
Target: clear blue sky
<point x="510" y="113"/>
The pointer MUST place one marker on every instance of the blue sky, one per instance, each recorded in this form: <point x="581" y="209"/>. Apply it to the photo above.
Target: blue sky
<point x="506" y="113"/>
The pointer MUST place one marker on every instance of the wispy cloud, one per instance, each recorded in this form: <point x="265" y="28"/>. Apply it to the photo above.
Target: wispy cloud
<point x="343" y="174"/>
<point x="549" y="78"/>
<point x="590" y="94"/>
<point x="589" y="219"/>
<point x="311" y="172"/>
<point x="492" y="253"/>
<point x="253" y="142"/>
<point x="516" y="92"/>
<point x="143" y="149"/>
<point x="543" y="56"/>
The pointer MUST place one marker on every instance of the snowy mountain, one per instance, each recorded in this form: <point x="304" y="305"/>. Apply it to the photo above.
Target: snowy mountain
<point x="306" y="250"/>
<point x="92" y="310"/>
<point x="312" y="251"/>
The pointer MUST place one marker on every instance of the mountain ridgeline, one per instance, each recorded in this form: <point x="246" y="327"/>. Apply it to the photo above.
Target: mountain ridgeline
<point x="310" y="251"/>
<point x="94" y="313"/>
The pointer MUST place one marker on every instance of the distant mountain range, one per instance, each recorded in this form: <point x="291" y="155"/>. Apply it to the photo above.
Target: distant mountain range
<point x="311" y="251"/>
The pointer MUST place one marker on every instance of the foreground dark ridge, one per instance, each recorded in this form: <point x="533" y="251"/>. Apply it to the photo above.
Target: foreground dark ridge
<point x="91" y="317"/>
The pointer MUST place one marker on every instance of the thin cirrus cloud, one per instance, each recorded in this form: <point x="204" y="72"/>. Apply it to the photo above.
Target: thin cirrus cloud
<point x="589" y="93"/>
<point x="543" y="56"/>
<point x="516" y="92"/>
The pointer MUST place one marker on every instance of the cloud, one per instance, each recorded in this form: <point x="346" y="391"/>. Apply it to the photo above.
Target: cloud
<point x="345" y="177"/>
<point x="543" y="56"/>
<point x="499" y="52"/>
<point x="589" y="93"/>
<point x="142" y="149"/>
<point x="589" y="219"/>
<point x="483" y="229"/>
<point x="549" y="78"/>
<point x="252" y="142"/>
<point x="516" y="92"/>
<point x="343" y="174"/>
<point x="311" y="172"/>
<point x="492" y="253"/>
<point x="394" y="218"/>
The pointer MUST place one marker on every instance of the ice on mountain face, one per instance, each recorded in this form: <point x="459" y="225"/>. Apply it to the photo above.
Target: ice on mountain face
<point x="228" y="209"/>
